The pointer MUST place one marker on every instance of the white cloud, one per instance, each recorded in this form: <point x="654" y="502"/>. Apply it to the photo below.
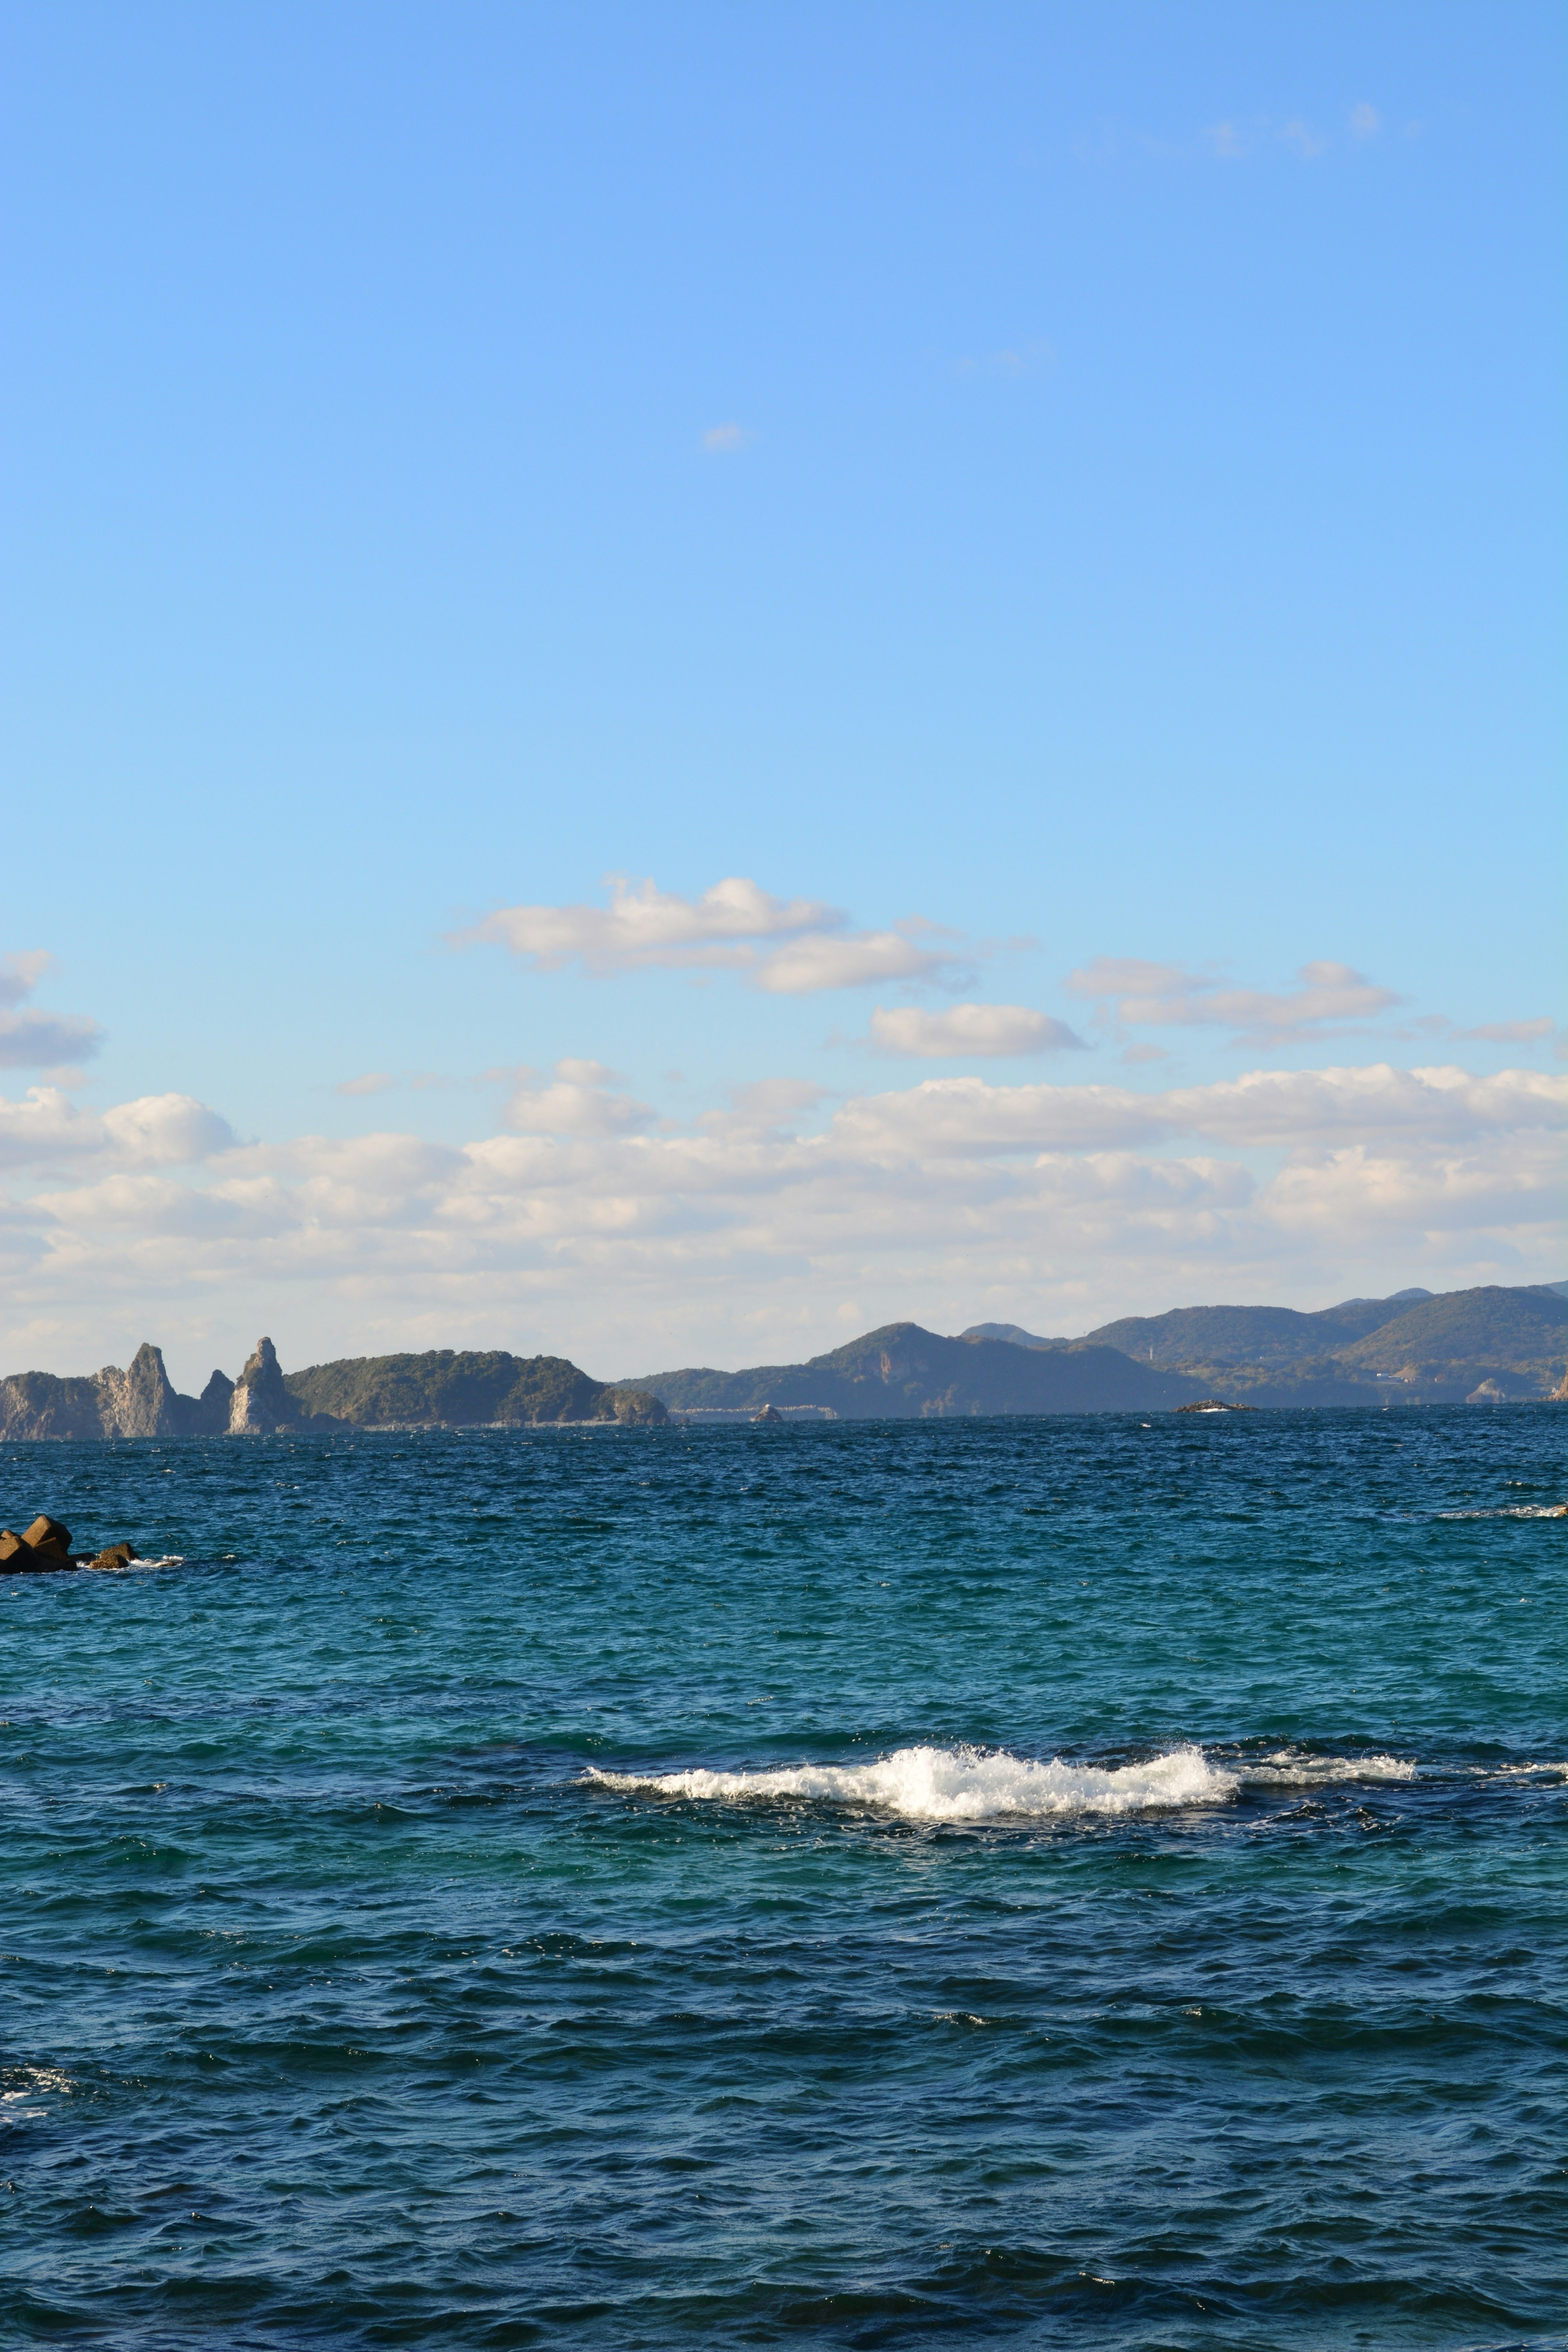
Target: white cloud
<point x="374" y="1082"/>
<point x="592" y="1229"/>
<point x="166" y="1131"/>
<point x="46" y="1128"/>
<point x="1226" y="141"/>
<point x="34" y="1040"/>
<point x="1151" y="995"/>
<point x="644" y="927"/>
<point x="720" y="440"/>
<point x="731" y="927"/>
<point x="855" y="960"/>
<point x="580" y="1102"/>
<point x="1510" y="1033"/>
<point x="20" y="974"/>
<point x="969" y="1029"/>
<point x="1364" y="121"/>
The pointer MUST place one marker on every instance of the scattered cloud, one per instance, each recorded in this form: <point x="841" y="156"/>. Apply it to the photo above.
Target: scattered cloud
<point x="722" y="440"/>
<point x="45" y="1128"/>
<point x="1141" y="995"/>
<point x="644" y="927"/>
<point x="374" y="1082"/>
<point x="583" y="1100"/>
<point x="1510" y="1033"/>
<point x="1303" y="139"/>
<point x="589" y="1225"/>
<point x="858" y="960"/>
<point x="34" y="1040"/>
<point x="970" y="1029"/>
<point x="794" y="947"/>
<point x="1231" y="139"/>
<point x="20" y="974"/>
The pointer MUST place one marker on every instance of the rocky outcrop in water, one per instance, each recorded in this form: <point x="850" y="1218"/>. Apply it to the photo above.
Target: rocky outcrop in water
<point x="441" y="1390"/>
<point x="140" y="1401"/>
<point x="45" y="1548"/>
<point x="260" y="1403"/>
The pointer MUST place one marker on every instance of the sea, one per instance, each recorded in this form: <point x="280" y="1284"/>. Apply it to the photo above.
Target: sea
<point x="1092" y="1881"/>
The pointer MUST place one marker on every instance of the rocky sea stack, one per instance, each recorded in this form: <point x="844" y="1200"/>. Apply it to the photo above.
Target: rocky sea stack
<point x="445" y="1388"/>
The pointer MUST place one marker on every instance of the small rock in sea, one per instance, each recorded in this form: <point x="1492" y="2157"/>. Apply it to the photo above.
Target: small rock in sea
<point x="47" y="1535"/>
<point x="19" y="1557"/>
<point x="771" y="1414"/>
<point x="120" y="1554"/>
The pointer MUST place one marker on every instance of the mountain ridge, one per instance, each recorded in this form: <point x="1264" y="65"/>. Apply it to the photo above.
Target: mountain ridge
<point x="1414" y="1345"/>
<point x="903" y="1371"/>
<point x="1488" y="1344"/>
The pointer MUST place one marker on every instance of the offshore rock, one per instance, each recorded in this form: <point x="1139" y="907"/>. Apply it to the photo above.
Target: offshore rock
<point x="261" y="1403"/>
<point x="212" y="1407"/>
<point x="49" y="1535"/>
<point x="142" y="1401"/>
<point x="120" y="1554"/>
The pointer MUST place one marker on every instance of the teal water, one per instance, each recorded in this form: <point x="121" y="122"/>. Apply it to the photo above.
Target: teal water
<point x="476" y="1892"/>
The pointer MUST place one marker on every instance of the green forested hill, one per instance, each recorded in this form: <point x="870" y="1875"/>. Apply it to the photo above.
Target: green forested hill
<point x="457" y="1388"/>
<point x="1361" y="1351"/>
<point x="1516" y="1329"/>
<point x="904" y="1372"/>
<point x="1248" y="1335"/>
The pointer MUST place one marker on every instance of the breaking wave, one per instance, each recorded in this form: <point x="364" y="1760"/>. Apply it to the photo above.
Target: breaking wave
<point x="958" y="1784"/>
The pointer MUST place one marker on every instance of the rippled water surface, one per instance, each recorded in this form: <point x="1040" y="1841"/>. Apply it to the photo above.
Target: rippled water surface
<point x="1074" y="1883"/>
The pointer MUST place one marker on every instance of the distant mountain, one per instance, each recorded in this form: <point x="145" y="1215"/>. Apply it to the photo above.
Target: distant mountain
<point x="1248" y="1335"/>
<point x="1414" y="1344"/>
<point x="906" y="1373"/>
<point x="1014" y="1332"/>
<point x="454" y="1388"/>
<point x="1512" y="1330"/>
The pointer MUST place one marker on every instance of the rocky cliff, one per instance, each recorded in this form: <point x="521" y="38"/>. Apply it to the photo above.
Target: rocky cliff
<point x="445" y="1388"/>
<point x="140" y="1402"/>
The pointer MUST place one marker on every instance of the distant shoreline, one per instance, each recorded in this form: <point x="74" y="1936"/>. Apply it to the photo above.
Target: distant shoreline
<point x="1491" y="1346"/>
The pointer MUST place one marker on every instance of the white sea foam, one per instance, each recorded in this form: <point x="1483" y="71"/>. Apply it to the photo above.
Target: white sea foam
<point x="1292" y="1767"/>
<point x="1512" y="1511"/>
<point x="960" y="1784"/>
<point x="126" y="1567"/>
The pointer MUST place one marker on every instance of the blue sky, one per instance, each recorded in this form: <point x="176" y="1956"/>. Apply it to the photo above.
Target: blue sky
<point x="1087" y="480"/>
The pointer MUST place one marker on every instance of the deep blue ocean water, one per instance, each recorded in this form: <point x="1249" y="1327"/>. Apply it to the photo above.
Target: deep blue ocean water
<point x="486" y="1889"/>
